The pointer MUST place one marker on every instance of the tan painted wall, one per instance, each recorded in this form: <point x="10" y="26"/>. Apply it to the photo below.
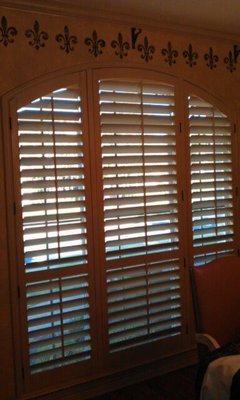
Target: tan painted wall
<point x="22" y="63"/>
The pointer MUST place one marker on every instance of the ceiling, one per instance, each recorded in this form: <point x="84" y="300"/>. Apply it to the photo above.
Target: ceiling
<point x="218" y="15"/>
<point x="222" y="16"/>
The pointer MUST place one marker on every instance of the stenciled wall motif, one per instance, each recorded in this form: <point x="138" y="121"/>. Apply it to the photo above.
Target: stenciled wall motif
<point x="38" y="38"/>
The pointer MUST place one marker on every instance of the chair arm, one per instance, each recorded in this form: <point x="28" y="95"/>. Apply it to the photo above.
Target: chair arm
<point x="207" y="340"/>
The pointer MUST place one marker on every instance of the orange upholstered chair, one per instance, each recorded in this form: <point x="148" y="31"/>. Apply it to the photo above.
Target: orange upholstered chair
<point x="216" y="288"/>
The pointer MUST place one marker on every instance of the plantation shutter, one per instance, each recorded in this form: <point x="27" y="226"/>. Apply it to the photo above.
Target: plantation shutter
<point x="138" y="145"/>
<point x="54" y="226"/>
<point x="211" y="180"/>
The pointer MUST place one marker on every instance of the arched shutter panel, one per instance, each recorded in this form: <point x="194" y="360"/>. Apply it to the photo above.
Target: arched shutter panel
<point x="139" y="172"/>
<point x="54" y="230"/>
<point x="211" y="175"/>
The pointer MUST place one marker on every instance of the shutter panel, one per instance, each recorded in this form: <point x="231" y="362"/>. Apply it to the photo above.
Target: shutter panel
<point x="53" y="201"/>
<point x="211" y="178"/>
<point x="138" y="145"/>
<point x="139" y="168"/>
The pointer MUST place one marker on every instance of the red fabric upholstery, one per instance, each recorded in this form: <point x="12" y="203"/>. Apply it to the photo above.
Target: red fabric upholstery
<point x="218" y="296"/>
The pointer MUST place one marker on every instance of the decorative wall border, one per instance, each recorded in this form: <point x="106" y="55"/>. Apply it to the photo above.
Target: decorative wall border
<point x="37" y="39"/>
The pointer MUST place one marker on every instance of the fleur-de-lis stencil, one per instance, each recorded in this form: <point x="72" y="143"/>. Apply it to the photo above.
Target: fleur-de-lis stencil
<point x="37" y="38"/>
<point x="170" y="54"/>
<point x="146" y="49"/>
<point x="211" y="59"/>
<point x="67" y="41"/>
<point x="121" y="46"/>
<point x="7" y="34"/>
<point x="191" y="56"/>
<point x="230" y="61"/>
<point x="95" y="43"/>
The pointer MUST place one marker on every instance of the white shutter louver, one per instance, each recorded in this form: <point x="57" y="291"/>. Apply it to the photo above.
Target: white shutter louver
<point x="54" y="230"/>
<point x="139" y="168"/>
<point x="211" y="174"/>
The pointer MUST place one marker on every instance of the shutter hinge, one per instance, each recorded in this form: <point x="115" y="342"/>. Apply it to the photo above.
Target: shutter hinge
<point x="18" y="291"/>
<point x="10" y="123"/>
<point x="236" y="190"/>
<point x="186" y="329"/>
<point x="184" y="262"/>
<point x="180" y="127"/>
<point x="234" y="128"/>
<point x="23" y="373"/>
<point x="14" y="208"/>
<point x="182" y="195"/>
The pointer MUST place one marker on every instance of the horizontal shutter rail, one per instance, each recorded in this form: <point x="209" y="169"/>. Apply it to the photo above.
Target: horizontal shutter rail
<point x="132" y="119"/>
<point x="41" y="126"/>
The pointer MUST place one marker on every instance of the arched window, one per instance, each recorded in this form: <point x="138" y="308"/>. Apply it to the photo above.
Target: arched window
<point x="118" y="187"/>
